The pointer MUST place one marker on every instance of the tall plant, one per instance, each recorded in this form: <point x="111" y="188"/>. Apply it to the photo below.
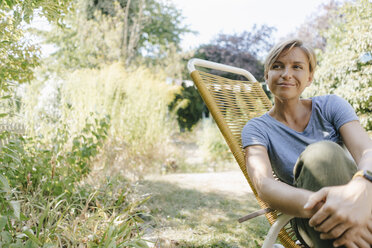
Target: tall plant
<point x="105" y="31"/>
<point x="346" y="65"/>
<point x="136" y="101"/>
<point x="19" y="57"/>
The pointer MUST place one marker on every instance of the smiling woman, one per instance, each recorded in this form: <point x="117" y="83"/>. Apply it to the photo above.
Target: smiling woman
<point x="290" y="71"/>
<point x="299" y="140"/>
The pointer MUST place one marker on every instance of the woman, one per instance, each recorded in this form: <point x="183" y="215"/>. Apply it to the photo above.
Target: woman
<point x="299" y="140"/>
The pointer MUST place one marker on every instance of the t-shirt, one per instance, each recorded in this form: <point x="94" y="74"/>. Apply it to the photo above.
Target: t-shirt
<point x="284" y="145"/>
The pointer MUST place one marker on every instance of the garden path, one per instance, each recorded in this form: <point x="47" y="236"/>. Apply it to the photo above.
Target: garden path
<point x="230" y="183"/>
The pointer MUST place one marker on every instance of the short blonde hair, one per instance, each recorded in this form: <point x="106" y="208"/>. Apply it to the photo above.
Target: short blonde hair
<point x="288" y="45"/>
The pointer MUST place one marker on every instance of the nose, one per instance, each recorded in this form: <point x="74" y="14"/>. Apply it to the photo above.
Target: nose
<point x="287" y="73"/>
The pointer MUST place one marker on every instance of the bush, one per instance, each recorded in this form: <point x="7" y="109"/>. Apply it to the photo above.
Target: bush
<point x="346" y="65"/>
<point x="135" y="100"/>
<point x="43" y="202"/>
<point x="211" y="142"/>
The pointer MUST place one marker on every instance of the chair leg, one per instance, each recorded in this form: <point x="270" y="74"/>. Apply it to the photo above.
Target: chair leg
<point x="271" y="237"/>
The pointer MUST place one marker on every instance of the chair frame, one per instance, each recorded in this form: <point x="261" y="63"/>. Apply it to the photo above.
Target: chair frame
<point x="280" y="220"/>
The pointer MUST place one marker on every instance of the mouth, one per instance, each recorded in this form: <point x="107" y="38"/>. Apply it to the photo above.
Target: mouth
<point x="286" y="85"/>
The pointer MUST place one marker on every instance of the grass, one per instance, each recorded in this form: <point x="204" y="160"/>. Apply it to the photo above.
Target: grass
<point x="190" y="218"/>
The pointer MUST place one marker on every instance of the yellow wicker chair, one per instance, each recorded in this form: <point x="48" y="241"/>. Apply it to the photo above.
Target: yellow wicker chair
<point x="232" y="103"/>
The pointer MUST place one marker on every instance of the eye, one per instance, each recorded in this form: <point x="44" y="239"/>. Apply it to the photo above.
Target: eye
<point x="299" y="67"/>
<point x="276" y="66"/>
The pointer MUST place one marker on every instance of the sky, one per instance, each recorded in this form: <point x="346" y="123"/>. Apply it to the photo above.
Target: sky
<point x="211" y="17"/>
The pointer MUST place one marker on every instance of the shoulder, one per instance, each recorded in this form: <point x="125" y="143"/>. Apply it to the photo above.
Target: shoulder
<point x="334" y="109"/>
<point x="258" y="122"/>
<point x="257" y="125"/>
<point x="255" y="132"/>
<point x="328" y="102"/>
<point x="327" y="99"/>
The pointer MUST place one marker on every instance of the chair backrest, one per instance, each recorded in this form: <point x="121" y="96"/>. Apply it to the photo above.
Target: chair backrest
<point x="232" y="103"/>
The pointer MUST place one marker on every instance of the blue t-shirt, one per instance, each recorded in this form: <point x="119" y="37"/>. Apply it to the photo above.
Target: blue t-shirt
<point x="284" y="145"/>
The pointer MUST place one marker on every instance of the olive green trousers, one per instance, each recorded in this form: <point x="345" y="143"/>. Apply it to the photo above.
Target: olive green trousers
<point x="322" y="164"/>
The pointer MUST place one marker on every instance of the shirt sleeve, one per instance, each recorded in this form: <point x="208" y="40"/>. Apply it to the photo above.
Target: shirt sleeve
<point x="339" y="111"/>
<point x="253" y="135"/>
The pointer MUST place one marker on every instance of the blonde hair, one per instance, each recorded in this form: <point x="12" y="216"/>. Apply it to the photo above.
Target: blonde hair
<point x="287" y="45"/>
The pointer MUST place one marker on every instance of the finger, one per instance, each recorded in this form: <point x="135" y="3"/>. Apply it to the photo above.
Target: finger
<point x="315" y="199"/>
<point x="321" y="215"/>
<point x="361" y="243"/>
<point x="369" y="225"/>
<point x="343" y="240"/>
<point x="329" y="224"/>
<point x="335" y="232"/>
<point x="344" y="243"/>
<point x="351" y="245"/>
<point x="367" y="236"/>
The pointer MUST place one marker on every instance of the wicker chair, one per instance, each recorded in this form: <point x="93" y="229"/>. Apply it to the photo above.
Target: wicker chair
<point x="232" y="103"/>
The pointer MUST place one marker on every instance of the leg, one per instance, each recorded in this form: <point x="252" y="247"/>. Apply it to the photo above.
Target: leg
<point x="322" y="164"/>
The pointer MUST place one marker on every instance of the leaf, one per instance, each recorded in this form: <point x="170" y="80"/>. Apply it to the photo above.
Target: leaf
<point x="6" y="237"/>
<point x="3" y="115"/>
<point x="7" y="96"/>
<point x="32" y="236"/>
<point x="5" y="185"/>
<point x="31" y="244"/>
<point x="136" y="244"/>
<point x="3" y="221"/>
<point x="10" y="3"/>
<point x="16" y="205"/>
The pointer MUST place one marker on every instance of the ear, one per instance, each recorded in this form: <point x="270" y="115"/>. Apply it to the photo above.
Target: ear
<point x="310" y="80"/>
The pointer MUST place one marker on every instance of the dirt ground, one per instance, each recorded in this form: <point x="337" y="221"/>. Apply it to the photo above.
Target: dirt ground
<point x="232" y="183"/>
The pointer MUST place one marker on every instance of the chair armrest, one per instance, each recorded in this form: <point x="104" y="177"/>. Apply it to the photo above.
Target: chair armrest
<point x="271" y="237"/>
<point x="255" y="214"/>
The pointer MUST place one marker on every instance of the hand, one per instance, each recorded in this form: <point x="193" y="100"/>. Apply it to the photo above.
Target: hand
<point x="359" y="237"/>
<point x="344" y="207"/>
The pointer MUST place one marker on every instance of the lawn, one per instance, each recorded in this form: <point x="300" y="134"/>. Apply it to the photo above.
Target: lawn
<point x="180" y="217"/>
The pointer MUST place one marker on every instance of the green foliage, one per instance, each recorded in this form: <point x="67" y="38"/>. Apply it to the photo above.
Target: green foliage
<point x="18" y="57"/>
<point x="44" y="203"/>
<point x="135" y="100"/>
<point x="211" y="142"/>
<point x="187" y="105"/>
<point x="53" y="168"/>
<point x="24" y="10"/>
<point x="123" y="31"/>
<point x="162" y="21"/>
<point x="346" y="65"/>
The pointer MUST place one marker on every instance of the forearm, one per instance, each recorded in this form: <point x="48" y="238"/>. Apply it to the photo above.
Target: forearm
<point x="285" y="198"/>
<point x="365" y="162"/>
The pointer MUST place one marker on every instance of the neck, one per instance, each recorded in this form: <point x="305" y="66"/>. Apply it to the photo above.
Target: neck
<point x="289" y="111"/>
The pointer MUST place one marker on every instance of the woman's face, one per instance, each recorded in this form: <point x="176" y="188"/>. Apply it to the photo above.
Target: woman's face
<point x="289" y="75"/>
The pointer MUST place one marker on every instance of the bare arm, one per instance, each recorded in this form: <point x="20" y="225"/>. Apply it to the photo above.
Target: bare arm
<point x="280" y="196"/>
<point x="358" y="143"/>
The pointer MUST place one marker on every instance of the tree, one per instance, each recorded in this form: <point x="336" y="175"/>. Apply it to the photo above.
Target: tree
<point x="312" y="30"/>
<point x="345" y="67"/>
<point x="240" y="50"/>
<point x="18" y="57"/>
<point x="123" y="30"/>
<point x="188" y="106"/>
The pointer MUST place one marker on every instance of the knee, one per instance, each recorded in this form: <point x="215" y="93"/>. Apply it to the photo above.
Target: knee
<point x="323" y="152"/>
<point x="322" y="164"/>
